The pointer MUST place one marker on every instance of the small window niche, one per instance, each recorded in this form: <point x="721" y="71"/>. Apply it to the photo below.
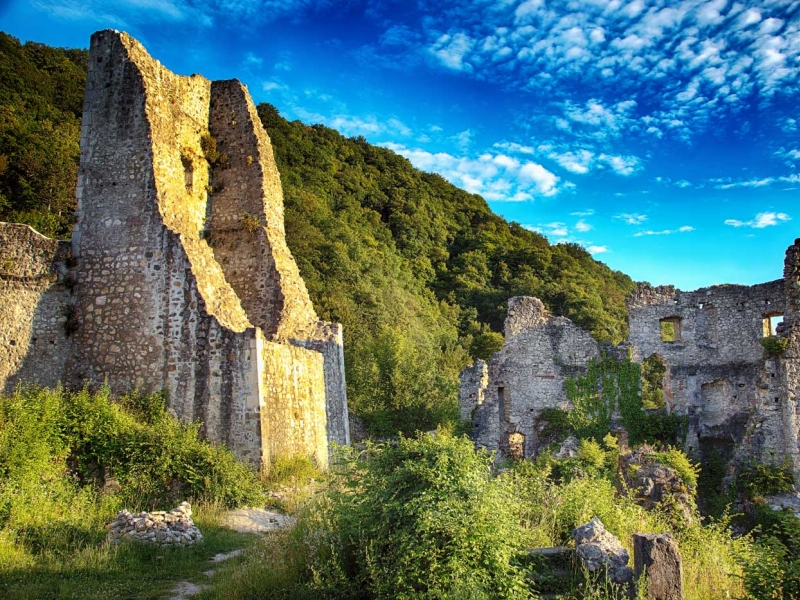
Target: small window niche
<point x="188" y="172"/>
<point x="770" y="323"/>
<point x="671" y="330"/>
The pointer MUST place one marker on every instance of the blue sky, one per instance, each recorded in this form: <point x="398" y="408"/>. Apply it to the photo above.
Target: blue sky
<point x="664" y="136"/>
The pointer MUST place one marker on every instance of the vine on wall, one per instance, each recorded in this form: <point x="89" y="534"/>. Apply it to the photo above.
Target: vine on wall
<point x="610" y="384"/>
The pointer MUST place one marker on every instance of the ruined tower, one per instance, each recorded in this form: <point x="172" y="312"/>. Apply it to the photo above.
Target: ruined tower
<point x="181" y="278"/>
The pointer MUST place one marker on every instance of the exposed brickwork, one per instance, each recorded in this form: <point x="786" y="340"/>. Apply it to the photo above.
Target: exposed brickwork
<point x="182" y="277"/>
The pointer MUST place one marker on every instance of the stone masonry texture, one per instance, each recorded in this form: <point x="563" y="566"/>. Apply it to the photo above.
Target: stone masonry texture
<point x="737" y="399"/>
<point x="178" y="276"/>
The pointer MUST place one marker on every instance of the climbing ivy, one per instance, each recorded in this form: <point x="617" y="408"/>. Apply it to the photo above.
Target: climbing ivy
<point x="610" y="384"/>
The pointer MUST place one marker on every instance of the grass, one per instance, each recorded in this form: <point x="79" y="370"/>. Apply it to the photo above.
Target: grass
<point x="89" y="568"/>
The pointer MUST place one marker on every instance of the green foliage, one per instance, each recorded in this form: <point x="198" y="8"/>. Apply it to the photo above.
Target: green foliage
<point x="611" y="384"/>
<point x="607" y="384"/>
<point x="592" y="454"/>
<point x="654" y="368"/>
<point x="41" y="99"/>
<point x="215" y="158"/>
<point x="759" y="479"/>
<point x="774" y="568"/>
<point x="76" y="440"/>
<point x="685" y="469"/>
<point x="555" y="425"/>
<point x="774" y="345"/>
<point x="422" y="518"/>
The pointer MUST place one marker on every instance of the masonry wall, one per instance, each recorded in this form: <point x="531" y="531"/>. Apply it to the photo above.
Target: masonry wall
<point x="293" y="420"/>
<point x="527" y="376"/>
<point x="184" y="280"/>
<point x="34" y="307"/>
<point x="718" y="376"/>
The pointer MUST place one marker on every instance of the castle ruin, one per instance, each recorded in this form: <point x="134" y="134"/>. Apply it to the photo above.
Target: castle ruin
<point x="736" y="397"/>
<point x="178" y="276"/>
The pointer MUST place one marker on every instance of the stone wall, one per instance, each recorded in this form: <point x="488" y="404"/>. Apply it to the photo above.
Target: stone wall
<point x="180" y="276"/>
<point x="737" y="400"/>
<point x="527" y="376"/>
<point x="35" y="312"/>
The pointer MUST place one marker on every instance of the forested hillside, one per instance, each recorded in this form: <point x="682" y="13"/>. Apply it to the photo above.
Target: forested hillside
<point x="417" y="270"/>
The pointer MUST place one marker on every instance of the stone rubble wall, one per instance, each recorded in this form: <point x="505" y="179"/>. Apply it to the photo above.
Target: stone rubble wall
<point x="173" y="528"/>
<point x="736" y="399"/>
<point x="527" y="375"/>
<point x="473" y="381"/>
<point x="179" y="276"/>
<point x="34" y="307"/>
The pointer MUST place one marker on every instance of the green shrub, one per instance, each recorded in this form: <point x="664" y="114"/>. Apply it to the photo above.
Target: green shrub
<point x="420" y="519"/>
<point x="684" y="468"/>
<point x="774" y="345"/>
<point x="758" y="479"/>
<point x="591" y="454"/>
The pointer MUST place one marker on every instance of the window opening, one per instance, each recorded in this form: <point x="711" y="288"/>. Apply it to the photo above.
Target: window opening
<point x="770" y="324"/>
<point x="671" y="330"/>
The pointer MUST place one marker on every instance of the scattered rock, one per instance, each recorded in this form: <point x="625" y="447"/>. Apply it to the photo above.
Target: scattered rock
<point x="223" y="556"/>
<point x="186" y="589"/>
<point x="569" y="448"/>
<point x="659" y="557"/>
<point x="162" y="528"/>
<point x="601" y="551"/>
<point x="256" y="520"/>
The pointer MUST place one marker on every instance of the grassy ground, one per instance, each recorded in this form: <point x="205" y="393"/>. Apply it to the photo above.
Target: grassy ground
<point x="94" y="569"/>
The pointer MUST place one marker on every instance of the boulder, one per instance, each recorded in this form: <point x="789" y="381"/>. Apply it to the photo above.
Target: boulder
<point x="163" y="528"/>
<point x="600" y="551"/>
<point x="658" y="556"/>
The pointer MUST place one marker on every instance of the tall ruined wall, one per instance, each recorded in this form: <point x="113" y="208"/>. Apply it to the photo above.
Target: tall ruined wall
<point x="789" y="366"/>
<point x="717" y="373"/>
<point x="35" y="318"/>
<point x="527" y="375"/>
<point x="717" y="325"/>
<point x="245" y="228"/>
<point x="183" y="279"/>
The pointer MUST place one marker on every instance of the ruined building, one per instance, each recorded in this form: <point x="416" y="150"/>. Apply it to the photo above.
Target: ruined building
<point x="178" y="276"/>
<point x="737" y="398"/>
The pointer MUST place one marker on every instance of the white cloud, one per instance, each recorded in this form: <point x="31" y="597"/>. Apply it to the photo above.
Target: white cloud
<point x="497" y="177"/>
<point x="451" y="50"/>
<point x="597" y="249"/>
<point x="583" y="226"/>
<point x="632" y="218"/>
<point x="761" y="220"/>
<point x="683" y="229"/>
<point x="583" y="213"/>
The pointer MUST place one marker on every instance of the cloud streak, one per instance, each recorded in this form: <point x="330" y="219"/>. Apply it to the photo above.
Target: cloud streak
<point x="761" y="220"/>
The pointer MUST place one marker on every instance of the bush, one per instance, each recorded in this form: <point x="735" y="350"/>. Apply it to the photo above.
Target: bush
<point x="684" y="468"/>
<point x="758" y="479"/>
<point x="774" y="345"/>
<point x="66" y="439"/>
<point x="420" y="519"/>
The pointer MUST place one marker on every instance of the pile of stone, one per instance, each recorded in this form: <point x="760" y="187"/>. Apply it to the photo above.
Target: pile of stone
<point x="173" y="528"/>
<point x="602" y="553"/>
<point x="655" y="482"/>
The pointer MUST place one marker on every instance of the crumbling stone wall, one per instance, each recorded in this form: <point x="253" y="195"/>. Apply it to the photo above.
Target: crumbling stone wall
<point x="734" y="398"/>
<point x="526" y="376"/>
<point x="180" y="275"/>
<point x="35" y="314"/>
<point x="737" y="400"/>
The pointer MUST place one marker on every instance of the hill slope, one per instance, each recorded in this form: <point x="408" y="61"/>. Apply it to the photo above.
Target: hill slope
<point x="417" y="270"/>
